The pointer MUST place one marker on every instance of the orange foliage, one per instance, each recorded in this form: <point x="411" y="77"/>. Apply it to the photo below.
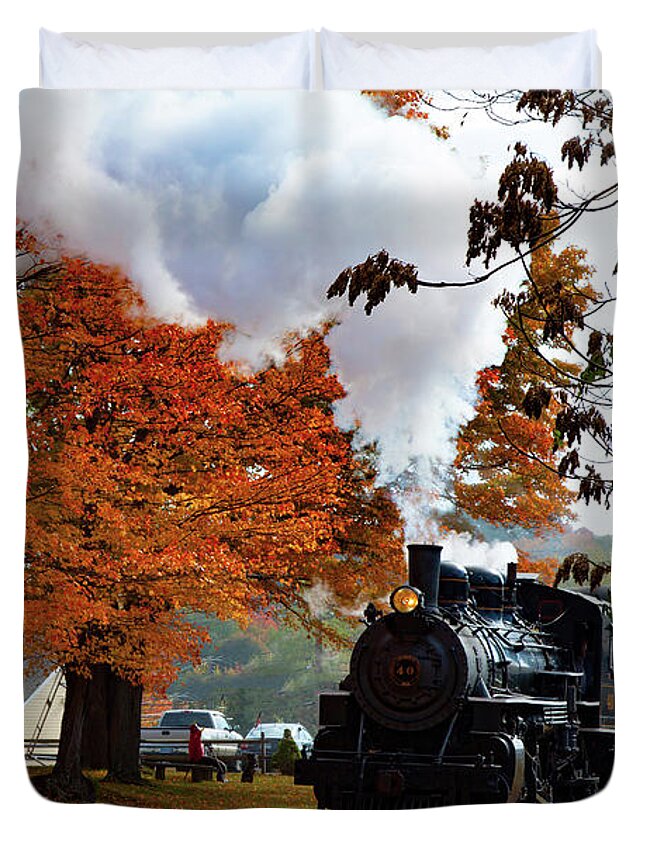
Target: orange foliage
<point x="162" y="478"/>
<point x="546" y="569"/>
<point x="507" y="459"/>
<point x="410" y="104"/>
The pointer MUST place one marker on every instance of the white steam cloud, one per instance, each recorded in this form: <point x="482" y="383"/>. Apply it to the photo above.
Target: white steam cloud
<point x="246" y="206"/>
<point x="463" y="548"/>
<point x="62" y="191"/>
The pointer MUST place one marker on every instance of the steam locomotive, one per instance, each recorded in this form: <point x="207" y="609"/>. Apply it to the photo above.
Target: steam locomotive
<point x="476" y="688"/>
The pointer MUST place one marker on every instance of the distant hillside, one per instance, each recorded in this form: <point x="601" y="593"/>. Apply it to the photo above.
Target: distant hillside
<point x="267" y="669"/>
<point x="556" y="545"/>
<point x="559" y="545"/>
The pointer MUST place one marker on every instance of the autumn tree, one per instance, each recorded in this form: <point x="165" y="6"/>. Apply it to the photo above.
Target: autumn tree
<point x="164" y="479"/>
<point x="530" y="214"/>
<point x="367" y="531"/>
<point x="508" y="467"/>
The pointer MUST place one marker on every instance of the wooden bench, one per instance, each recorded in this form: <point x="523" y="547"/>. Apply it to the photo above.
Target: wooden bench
<point x="198" y="772"/>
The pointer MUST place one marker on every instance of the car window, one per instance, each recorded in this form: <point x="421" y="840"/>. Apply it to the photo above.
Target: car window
<point x="185" y="719"/>
<point x="266" y="730"/>
<point x="277" y="730"/>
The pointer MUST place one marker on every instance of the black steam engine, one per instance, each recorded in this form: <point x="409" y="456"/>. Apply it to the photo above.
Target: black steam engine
<point x="476" y="688"/>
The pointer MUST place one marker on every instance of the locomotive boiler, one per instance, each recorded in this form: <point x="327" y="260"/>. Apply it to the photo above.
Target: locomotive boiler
<point x="477" y="687"/>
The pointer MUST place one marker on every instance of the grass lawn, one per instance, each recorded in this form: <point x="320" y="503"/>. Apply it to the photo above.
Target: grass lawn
<point x="175" y="792"/>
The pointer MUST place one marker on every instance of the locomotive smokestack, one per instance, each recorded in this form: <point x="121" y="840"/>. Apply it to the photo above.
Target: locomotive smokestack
<point x="424" y="568"/>
<point x="510" y="598"/>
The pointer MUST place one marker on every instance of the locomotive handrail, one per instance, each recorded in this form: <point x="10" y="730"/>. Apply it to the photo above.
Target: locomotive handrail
<point x="498" y="630"/>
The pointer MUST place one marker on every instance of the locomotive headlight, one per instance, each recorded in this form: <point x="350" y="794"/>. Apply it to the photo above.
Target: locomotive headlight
<point x="405" y="599"/>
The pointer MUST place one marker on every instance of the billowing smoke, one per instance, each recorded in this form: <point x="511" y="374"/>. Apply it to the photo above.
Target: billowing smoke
<point x="319" y="599"/>
<point x="61" y="191"/>
<point x="245" y="206"/>
<point x="463" y="548"/>
<point x="422" y="511"/>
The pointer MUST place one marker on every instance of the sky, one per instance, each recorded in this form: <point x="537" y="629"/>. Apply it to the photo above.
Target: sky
<point x="245" y="206"/>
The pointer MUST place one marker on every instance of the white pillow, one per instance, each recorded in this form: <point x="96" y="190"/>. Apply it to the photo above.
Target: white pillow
<point x="567" y="62"/>
<point x="286" y="62"/>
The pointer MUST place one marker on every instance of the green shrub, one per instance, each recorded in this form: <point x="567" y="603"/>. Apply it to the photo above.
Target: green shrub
<point x="285" y="755"/>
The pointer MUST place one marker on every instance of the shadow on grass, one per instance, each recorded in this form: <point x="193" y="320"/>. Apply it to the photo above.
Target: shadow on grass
<point x="177" y="791"/>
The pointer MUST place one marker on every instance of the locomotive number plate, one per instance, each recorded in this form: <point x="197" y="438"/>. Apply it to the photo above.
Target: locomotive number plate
<point x="405" y="670"/>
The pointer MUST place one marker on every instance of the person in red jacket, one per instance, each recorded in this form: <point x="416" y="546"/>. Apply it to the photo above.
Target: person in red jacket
<point x="195" y="745"/>
<point x="196" y="753"/>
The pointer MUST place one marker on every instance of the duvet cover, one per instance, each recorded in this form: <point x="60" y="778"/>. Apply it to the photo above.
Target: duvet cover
<point x="319" y="418"/>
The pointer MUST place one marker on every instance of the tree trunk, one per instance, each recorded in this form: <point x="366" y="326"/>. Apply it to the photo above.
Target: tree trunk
<point x="95" y="749"/>
<point x="112" y="726"/>
<point x="124" y="729"/>
<point x="66" y="782"/>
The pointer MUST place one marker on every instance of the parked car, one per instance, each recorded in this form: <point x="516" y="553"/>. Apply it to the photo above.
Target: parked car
<point x="273" y="733"/>
<point x="170" y="737"/>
